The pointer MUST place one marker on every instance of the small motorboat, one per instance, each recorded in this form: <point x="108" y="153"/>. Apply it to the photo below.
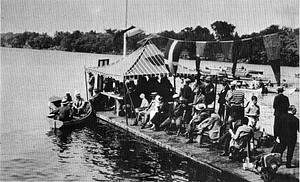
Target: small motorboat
<point x="87" y="116"/>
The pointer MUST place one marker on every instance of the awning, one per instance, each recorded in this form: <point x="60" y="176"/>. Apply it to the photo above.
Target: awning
<point x="147" y="60"/>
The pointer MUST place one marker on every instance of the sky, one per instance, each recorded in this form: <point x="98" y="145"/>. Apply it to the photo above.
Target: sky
<point x="152" y="16"/>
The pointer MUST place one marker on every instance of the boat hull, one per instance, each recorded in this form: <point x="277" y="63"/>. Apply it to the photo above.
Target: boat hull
<point x="76" y="121"/>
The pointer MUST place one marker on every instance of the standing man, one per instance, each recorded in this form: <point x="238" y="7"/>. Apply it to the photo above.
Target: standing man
<point x="209" y="92"/>
<point x="281" y="104"/>
<point x="222" y="100"/>
<point x="236" y="101"/>
<point x="91" y="82"/>
<point x="289" y="125"/>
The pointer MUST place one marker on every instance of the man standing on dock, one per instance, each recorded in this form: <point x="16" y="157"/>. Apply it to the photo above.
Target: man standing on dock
<point x="281" y="104"/>
<point x="289" y="125"/>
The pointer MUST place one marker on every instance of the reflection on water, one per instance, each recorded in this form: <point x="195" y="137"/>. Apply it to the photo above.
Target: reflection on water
<point x="110" y="154"/>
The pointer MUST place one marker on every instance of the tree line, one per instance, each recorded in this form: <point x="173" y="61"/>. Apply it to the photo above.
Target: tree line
<point x="106" y="43"/>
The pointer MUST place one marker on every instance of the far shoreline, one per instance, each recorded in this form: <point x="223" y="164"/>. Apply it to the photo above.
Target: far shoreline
<point x="111" y="54"/>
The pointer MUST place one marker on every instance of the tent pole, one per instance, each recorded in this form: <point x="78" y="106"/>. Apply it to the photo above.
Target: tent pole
<point x="125" y="102"/>
<point x="86" y="89"/>
<point x="216" y="81"/>
<point x="174" y="76"/>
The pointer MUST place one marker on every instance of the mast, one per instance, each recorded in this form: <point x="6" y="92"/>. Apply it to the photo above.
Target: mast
<point x="124" y="38"/>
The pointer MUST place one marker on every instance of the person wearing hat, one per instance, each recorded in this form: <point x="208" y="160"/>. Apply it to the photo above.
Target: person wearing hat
<point x="281" y="104"/>
<point x="64" y="112"/>
<point x="186" y="91"/>
<point x="209" y="91"/>
<point x="234" y="123"/>
<point x="289" y="126"/>
<point x="78" y="105"/>
<point x="222" y="94"/>
<point x="211" y="127"/>
<point x="175" y="115"/>
<point x="199" y="115"/>
<point x="235" y="99"/>
<point x="91" y="83"/>
<point x="68" y="97"/>
<point x="151" y="109"/>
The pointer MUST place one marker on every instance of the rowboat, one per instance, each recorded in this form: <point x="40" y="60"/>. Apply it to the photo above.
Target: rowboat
<point x="85" y="118"/>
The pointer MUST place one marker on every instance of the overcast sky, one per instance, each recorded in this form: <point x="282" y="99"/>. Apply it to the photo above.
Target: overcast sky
<point x="150" y="15"/>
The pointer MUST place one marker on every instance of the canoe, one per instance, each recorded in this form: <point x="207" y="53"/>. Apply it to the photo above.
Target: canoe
<point x="76" y="121"/>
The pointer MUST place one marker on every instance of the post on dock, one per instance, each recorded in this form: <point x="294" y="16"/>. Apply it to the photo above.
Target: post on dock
<point x="86" y="87"/>
<point x="125" y="101"/>
<point x="216" y="82"/>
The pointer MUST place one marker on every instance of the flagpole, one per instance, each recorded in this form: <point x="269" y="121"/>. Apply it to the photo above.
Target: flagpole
<point x="124" y="38"/>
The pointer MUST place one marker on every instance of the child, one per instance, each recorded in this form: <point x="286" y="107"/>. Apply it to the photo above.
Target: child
<point x="253" y="112"/>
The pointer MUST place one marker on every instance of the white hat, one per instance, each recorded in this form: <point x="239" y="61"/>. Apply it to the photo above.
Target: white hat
<point x="200" y="107"/>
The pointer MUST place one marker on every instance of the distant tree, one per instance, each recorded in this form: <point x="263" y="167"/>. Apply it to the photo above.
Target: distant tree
<point x="223" y="30"/>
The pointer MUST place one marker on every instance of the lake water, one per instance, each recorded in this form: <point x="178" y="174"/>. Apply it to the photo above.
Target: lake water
<point x="31" y="151"/>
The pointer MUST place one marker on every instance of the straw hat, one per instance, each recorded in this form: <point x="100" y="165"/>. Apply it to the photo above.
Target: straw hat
<point x="200" y="107"/>
<point x="77" y="94"/>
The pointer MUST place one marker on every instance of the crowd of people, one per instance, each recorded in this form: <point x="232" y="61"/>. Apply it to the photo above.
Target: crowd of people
<point x="156" y="106"/>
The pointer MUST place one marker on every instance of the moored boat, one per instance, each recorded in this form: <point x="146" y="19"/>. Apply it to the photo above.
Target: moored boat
<point x="84" y="118"/>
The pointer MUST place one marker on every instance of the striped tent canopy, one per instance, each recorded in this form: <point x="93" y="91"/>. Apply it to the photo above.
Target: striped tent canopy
<point x="147" y="60"/>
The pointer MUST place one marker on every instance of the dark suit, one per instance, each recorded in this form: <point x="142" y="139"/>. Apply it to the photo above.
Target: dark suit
<point x="289" y="125"/>
<point x="281" y="104"/>
<point x="227" y="136"/>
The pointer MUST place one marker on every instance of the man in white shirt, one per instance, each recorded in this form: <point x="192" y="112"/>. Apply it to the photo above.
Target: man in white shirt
<point x="141" y="110"/>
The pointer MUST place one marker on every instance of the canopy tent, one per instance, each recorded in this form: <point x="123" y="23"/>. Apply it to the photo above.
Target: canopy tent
<point x="147" y="60"/>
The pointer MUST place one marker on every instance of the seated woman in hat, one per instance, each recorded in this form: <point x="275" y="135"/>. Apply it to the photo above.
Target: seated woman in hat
<point x="199" y="115"/>
<point x="78" y="105"/>
<point x="211" y="127"/>
<point x="152" y="108"/>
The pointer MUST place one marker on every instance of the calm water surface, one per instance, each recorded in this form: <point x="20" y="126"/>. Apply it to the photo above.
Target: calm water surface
<point x="31" y="151"/>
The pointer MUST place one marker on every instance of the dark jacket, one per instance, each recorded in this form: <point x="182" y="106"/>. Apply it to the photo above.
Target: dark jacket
<point x="64" y="113"/>
<point x="289" y="125"/>
<point x="281" y="104"/>
<point x="222" y="94"/>
<point x="187" y="93"/>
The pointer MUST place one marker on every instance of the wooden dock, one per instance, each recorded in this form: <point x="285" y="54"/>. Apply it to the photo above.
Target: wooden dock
<point x="209" y="158"/>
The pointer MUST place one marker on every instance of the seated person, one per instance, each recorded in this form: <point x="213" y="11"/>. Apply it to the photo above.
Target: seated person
<point x="161" y="115"/>
<point x="240" y="138"/>
<point x="234" y="123"/>
<point x="175" y="114"/>
<point x="210" y="126"/>
<point x="152" y="109"/>
<point x="140" y="110"/>
<point x="78" y="105"/>
<point x="68" y="97"/>
<point x="64" y="112"/>
<point x="200" y="115"/>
